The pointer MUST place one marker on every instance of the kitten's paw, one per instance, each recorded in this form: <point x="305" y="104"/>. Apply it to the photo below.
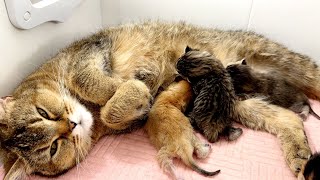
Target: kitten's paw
<point x="130" y="102"/>
<point x="234" y="133"/>
<point x="203" y="151"/>
<point x="303" y="116"/>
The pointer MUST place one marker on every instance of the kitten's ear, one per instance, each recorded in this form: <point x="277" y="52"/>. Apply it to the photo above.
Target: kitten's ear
<point x="244" y="62"/>
<point x="187" y="49"/>
<point x="17" y="171"/>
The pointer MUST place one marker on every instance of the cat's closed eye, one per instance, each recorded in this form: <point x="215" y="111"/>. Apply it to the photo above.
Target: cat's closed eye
<point x="43" y="113"/>
<point x="54" y="148"/>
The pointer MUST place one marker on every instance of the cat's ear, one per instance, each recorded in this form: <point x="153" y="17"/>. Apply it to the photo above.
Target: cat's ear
<point x="187" y="49"/>
<point x="17" y="171"/>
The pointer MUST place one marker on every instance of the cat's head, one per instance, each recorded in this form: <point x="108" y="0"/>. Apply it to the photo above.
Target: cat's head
<point x="195" y="63"/>
<point x="43" y="132"/>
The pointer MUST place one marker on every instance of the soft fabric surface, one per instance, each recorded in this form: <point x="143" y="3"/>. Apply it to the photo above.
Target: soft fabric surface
<point x="255" y="155"/>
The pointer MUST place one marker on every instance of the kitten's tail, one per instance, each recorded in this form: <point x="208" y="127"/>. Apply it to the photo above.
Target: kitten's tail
<point x="311" y="170"/>
<point x="314" y="113"/>
<point x="186" y="157"/>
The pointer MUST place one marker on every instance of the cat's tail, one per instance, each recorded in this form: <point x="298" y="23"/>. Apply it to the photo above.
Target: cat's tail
<point x="311" y="170"/>
<point x="186" y="157"/>
<point x="286" y="125"/>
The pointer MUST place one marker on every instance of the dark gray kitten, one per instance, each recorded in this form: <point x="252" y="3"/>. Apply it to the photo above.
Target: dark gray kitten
<point x="275" y="89"/>
<point x="311" y="171"/>
<point x="213" y="109"/>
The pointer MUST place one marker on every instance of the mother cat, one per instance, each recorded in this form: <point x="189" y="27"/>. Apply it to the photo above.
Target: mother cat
<point x="93" y="88"/>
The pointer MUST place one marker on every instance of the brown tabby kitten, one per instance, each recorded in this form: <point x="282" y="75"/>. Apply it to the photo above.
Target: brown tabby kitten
<point x="213" y="107"/>
<point x="171" y="132"/>
<point x="91" y="77"/>
<point x="272" y="86"/>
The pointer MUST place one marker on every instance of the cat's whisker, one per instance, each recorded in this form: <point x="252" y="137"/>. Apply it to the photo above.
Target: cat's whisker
<point x="78" y="159"/>
<point x="78" y="165"/>
<point x="81" y="156"/>
<point x="82" y="153"/>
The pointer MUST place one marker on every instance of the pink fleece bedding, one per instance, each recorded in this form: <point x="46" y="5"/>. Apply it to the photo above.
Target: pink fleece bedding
<point x="255" y="155"/>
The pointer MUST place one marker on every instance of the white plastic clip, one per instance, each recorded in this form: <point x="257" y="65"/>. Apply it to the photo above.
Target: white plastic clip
<point x="25" y="15"/>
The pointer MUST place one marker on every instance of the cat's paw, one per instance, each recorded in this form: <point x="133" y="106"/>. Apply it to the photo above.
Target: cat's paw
<point x="297" y="155"/>
<point x="130" y="102"/>
<point x="296" y="165"/>
<point x="203" y="151"/>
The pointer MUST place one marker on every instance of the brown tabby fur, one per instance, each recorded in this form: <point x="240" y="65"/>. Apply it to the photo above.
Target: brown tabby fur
<point x="171" y="132"/>
<point x="93" y="71"/>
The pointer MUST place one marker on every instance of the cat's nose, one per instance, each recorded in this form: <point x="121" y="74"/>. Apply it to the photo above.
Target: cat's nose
<point x="72" y="125"/>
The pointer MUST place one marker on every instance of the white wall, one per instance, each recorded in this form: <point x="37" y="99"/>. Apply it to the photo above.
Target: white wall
<point x="21" y="51"/>
<point x="218" y="13"/>
<point x="295" y="23"/>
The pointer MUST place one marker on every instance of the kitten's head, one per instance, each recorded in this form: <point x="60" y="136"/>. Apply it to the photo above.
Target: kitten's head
<point x="195" y="63"/>
<point x="43" y="132"/>
<point x="243" y="78"/>
<point x="240" y="72"/>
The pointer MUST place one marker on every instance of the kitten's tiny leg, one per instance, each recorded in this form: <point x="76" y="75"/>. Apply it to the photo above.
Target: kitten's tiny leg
<point x="211" y="133"/>
<point x="305" y="112"/>
<point x="204" y="122"/>
<point x="233" y="133"/>
<point x="202" y="150"/>
<point x="164" y="158"/>
<point x="301" y="108"/>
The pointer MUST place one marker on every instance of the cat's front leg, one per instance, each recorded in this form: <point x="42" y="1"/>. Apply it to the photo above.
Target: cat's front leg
<point x="132" y="101"/>
<point x="94" y="86"/>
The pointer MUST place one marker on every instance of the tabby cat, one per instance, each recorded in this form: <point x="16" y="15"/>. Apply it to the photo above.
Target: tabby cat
<point x="93" y="88"/>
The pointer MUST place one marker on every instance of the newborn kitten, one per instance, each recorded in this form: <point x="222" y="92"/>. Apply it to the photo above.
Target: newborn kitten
<point x="311" y="170"/>
<point x="171" y="132"/>
<point x="215" y="99"/>
<point x="277" y="91"/>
